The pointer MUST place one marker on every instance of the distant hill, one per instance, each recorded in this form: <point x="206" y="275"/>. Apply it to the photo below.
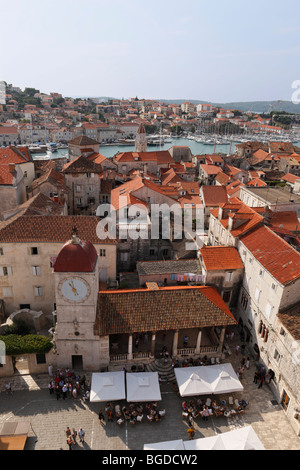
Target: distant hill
<point x="252" y="106"/>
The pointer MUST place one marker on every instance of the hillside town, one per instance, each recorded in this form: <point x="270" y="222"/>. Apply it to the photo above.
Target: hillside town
<point x="125" y="302"/>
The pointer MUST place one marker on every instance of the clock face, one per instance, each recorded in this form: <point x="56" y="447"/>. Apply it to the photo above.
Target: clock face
<point x="74" y="289"/>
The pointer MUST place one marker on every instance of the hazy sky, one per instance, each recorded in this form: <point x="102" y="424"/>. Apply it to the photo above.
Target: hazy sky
<point x="212" y="50"/>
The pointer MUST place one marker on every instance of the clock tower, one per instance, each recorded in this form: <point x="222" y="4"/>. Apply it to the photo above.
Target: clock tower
<point x="76" y="275"/>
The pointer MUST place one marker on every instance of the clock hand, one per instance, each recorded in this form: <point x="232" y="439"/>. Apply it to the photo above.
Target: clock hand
<point x="71" y="284"/>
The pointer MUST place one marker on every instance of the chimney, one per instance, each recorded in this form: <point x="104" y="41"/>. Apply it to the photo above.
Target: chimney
<point x="12" y="168"/>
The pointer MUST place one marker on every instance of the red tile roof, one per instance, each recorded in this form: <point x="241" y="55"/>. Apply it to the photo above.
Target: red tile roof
<point x="140" y="310"/>
<point x="274" y="254"/>
<point x="217" y="258"/>
<point x="50" y="229"/>
<point x="214" y="195"/>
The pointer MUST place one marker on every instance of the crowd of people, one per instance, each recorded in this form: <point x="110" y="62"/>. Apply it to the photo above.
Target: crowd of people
<point x="65" y="383"/>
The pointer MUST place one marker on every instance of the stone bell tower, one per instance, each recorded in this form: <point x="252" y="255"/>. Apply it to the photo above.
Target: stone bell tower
<point x="141" y="140"/>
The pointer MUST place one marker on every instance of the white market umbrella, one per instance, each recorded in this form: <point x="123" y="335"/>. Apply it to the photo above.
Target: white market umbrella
<point x="206" y="443"/>
<point x="192" y="381"/>
<point x="226" y="380"/>
<point x="238" y="439"/>
<point x="107" y="386"/>
<point x="168" y="445"/>
<point x="142" y="386"/>
<point x="242" y="439"/>
<point x="207" y="380"/>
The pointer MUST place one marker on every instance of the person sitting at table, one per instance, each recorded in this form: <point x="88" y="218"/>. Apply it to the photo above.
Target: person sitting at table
<point x="150" y="418"/>
<point x="195" y="413"/>
<point x="200" y="402"/>
<point x="185" y="406"/>
<point x="205" y="413"/>
<point x="108" y="407"/>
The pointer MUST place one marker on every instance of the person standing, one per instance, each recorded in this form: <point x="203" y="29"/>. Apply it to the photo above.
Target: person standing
<point x="185" y="341"/>
<point x="64" y="391"/>
<point x="191" y="433"/>
<point x="70" y="442"/>
<point x="81" y="434"/>
<point x="101" y="417"/>
<point x="74" y="436"/>
<point x="262" y="379"/>
<point x="256" y="377"/>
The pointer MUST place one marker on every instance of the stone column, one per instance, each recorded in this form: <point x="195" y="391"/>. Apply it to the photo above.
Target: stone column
<point x="222" y="336"/>
<point x="153" y="344"/>
<point x="198" y="345"/>
<point x="175" y="343"/>
<point x="130" y="356"/>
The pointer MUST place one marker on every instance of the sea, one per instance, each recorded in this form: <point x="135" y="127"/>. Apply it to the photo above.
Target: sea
<point x="197" y="148"/>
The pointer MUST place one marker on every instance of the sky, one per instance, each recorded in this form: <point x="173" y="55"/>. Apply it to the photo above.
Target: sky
<point x="211" y="50"/>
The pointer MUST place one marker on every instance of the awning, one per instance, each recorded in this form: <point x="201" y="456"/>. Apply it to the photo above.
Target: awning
<point x="107" y="386"/>
<point x="142" y="386"/>
<point x="168" y="445"/>
<point x="239" y="439"/>
<point x="13" y="435"/>
<point x="207" y="380"/>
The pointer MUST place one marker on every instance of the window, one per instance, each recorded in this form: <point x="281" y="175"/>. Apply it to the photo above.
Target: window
<point x="285" y="400"/>
<point x="1" y="252"/>
<point x="261" y="273"/>
<point x="36" y="270"/>
<point x="257" y="294"/>
<point x="5" y="271"/>
<point x="229" y="276"/>
<point x="102" y="252"/>
<point x="269" y="310"/>
<point x="282" y="332"/>
<point x="78" y="188"/>
<point x="274" y="287"/>
<point x="244" y="300"/>
<point x="34" y="250"/>
<point x="124" y="257"/>
<point x="78" y="201"/>
<point x="40" y="358"/>
<point x="38" y="291"/>
<point x="7" y="292"/>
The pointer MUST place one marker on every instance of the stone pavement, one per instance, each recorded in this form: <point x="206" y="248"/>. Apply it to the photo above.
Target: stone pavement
<point x="49" y="417"/>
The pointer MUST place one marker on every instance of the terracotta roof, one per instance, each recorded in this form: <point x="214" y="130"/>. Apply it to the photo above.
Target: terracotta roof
<point x="169" y="308"/>
<point x="145" y="268"/>
<point x="82" y="140"/>
<point x="290" y="178"/>
<point x="40" y="204"/>
<point x="290" y="319"/>
<point x="51" y="176"/>
<point x="274" y="254"/>
<point x="210" y="169"/>
<point x="122" y="197"/>
<point x="11" y="155"/>
<point x="214" y="195"/>
<point x="217" y="258"/>
<point x="81" y="164"/>
<point x="7" y="174"/>
<point x="50" y="229"/>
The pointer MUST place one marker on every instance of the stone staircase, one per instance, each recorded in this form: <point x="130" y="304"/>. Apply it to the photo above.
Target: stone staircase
<point x="164" y="369"/>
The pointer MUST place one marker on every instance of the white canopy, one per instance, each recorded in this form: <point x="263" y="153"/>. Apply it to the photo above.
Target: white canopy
<point x="142" y="386"/>
<point x="168" y="445"/>
<point x="239" y="439"/>
<point x="207" y="380"/>
<point x="107" y="386"/>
